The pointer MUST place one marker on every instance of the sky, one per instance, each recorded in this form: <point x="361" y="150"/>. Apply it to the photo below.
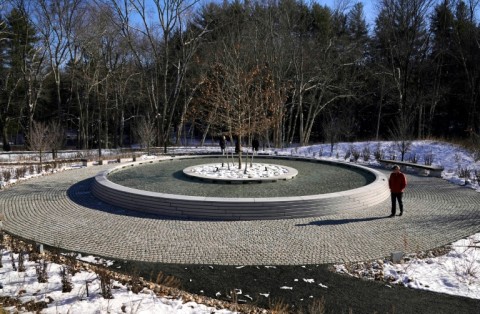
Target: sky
<point x="369" y="8"/>
<point x="456" y="273"/>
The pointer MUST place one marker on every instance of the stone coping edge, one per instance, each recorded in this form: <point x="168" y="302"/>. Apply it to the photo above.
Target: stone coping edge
<point x="197" y="207"/>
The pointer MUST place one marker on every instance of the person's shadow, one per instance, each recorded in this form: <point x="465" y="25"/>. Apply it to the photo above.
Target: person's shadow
<point x="333" y="222"/>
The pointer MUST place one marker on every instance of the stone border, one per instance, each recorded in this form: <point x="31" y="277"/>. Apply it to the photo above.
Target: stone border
<point x="292" y="173"/>
<point x="219" y="208"/>
<point x="426" y="170"/>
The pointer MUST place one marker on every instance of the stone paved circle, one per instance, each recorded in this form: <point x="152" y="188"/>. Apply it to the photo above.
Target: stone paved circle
<point x="60" y="210"/>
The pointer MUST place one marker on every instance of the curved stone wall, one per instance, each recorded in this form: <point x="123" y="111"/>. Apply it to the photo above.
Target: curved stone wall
<point x="194" y="207"/>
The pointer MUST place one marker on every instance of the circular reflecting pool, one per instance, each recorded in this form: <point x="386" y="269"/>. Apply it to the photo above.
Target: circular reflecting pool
<point x="314" y="177"/>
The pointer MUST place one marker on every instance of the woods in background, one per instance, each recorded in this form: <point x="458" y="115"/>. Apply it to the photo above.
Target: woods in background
<point x="108" y="71"/>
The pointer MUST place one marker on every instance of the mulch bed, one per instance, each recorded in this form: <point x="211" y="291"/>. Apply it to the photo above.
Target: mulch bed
<point x="293" y="286"/>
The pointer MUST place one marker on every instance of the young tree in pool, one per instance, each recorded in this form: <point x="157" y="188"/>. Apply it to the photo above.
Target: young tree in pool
<point x="242" y="101"/>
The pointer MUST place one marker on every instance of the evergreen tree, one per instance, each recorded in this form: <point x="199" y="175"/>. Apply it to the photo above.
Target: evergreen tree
<point x="23" y="58"/>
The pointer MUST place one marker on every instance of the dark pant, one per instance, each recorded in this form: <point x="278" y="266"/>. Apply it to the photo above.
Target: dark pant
<point x="395" y="197"/>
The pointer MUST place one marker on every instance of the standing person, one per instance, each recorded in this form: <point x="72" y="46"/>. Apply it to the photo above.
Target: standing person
<point x="237" y="146"/>
<point x="255" y="145"/>
<point x="223" y="142"/>
<point x="397" y="184"/>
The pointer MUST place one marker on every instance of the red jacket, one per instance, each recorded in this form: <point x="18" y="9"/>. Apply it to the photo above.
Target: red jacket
<point x="397" y="182"/>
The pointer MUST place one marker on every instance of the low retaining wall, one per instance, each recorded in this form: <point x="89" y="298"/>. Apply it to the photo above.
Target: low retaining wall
<point x="426" y="170"/>
<point x="213" y="208"/>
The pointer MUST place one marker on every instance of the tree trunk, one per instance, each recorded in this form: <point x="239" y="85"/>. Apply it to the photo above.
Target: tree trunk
<point x="239" y="146"/>
<point x="204" y="136"/>
<point x="6" y="144"/>
<point x="300" y="115"/>
<point x="379" y="117"/>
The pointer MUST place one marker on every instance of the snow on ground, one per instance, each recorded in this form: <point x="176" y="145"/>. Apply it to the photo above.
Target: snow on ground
<point x="453" y="158"/>
<point x="457" y="272"/>
<point x="86" y="294"/>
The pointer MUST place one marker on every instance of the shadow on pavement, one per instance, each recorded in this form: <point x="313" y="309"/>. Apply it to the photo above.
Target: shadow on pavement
<point x="333" y="222"/>
<point x="81" y="194"/>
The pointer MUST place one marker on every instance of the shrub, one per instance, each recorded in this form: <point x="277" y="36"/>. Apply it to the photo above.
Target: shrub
<point x="7" y="175"/>
<point x="136" y="283"/>
<point x="428" y="159"/>
<point x="317" y="306"/>
<point x="67" y="285"/>
<point x="12" y="258"/>
<point x="464" y="173"/>
<point x="71" y="263"/>
<point x="41" y="270"/>
<point x="20" y="172"/>
<point x="355" y="154"/>
<point x="413" y="158"/>
<point x="279" y="306"/>
<point x="105" y="282"/>
<point x="320" y="151"/>
<point x="169" y="281"/>
<point x="378" y="153"/>
<point x="476" y="155"/>
<point x="366" y="153"/>
<point x="392" y="155"/>
<point x="14" y="245"/>
<point x="21" y="261"/>
<point x="477" y="176"/>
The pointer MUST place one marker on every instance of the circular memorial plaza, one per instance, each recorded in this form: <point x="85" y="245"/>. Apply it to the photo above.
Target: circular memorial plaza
<point x="61" y="210"/>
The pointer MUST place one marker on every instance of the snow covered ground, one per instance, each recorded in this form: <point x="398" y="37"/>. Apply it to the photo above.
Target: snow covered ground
<point x="86" y="294"/>
<point x="457" y="272"/>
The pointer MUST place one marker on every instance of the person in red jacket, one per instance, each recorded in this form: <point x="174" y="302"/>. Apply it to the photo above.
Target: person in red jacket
<point x="397" y="184"/>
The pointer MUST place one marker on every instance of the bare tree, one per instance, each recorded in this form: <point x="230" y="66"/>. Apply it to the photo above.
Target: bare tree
<point x="337" y="124"/>
<point x="159" y="21"/>
<point x="403" y="42"/>
<point x="57" y="20"/>
<point x="146" y="132"/>
<point x="39" y="139"/>
<point x="401" y="133"/>
<point x="56" y="137"/>
<point x="320" y="82"/>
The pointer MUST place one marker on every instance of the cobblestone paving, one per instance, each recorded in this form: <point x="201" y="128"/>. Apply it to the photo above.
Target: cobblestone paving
<point x="60" y="210"/>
